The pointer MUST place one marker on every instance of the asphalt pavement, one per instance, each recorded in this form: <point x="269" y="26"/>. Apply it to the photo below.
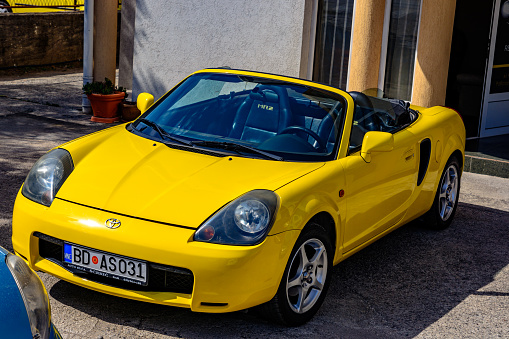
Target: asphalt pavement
<point x="413" y="283"/>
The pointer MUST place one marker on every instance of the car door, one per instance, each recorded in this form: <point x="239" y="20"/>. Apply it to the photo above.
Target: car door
<point x="379" y="189"/>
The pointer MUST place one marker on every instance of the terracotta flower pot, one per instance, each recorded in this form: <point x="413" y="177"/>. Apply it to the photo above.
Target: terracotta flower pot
<point x="105" y="106"/>
<point x="129" y="111"/>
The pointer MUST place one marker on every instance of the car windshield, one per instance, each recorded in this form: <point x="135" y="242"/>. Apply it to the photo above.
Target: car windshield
<point x="248" y="116"/>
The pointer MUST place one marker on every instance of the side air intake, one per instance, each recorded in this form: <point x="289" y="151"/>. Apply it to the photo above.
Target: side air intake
<point x="424" y="156"/>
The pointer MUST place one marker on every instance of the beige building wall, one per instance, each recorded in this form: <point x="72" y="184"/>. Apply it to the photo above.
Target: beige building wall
<point x="174" y="38"/>
<point x="433" y="52"/>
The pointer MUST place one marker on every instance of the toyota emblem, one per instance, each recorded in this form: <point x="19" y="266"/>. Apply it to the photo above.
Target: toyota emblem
<point x="112" y="223"/>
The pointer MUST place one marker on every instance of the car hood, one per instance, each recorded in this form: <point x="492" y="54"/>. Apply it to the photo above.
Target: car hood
<point x="123" y="173"/>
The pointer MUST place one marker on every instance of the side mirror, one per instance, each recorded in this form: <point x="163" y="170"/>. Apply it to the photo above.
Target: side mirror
<point x="376" y="142"/>
<point x="144" y="101"/>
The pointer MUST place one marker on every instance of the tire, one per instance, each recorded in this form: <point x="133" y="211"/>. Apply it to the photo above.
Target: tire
<point x="444" y="206"/>
<point x="4" y="10"/>
<point x="305" y="280"/>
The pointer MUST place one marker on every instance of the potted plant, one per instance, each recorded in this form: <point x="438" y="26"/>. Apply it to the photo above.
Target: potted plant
<point x="129" y="111"/>
<point x="104" y="98"/>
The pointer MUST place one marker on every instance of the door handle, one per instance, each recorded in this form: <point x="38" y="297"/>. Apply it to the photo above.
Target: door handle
<point x="409" y="155"/>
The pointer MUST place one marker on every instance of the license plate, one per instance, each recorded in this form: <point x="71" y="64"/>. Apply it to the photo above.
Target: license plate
<point x="105" y="264"/>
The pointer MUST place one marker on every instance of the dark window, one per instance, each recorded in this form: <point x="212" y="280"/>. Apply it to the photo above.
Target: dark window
<point x="401" y="48"/>
<point x="332" y="51"/>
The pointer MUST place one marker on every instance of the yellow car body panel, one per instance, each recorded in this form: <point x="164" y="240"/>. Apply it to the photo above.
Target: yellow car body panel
<point x="220" y="274"/>
<point x="162" y="195"/>
<point x="171" y="177"/>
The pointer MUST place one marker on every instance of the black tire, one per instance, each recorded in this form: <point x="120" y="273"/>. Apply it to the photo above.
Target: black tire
<point x="285" y="308"/>
<point x="4" y="10"/>
<point x="444" y="206"/>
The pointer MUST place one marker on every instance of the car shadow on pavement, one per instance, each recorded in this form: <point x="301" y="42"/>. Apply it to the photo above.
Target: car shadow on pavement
<point x="397" y="287"/>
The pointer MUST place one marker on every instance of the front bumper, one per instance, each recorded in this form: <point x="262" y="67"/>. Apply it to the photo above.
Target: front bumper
<point x="226" y="278"/>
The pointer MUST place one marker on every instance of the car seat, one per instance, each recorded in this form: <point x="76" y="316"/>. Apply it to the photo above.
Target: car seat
<point x="263" y="114"/>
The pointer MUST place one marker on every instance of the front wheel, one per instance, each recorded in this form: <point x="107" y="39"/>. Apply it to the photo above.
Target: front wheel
<point x="4" y="10"/>
<point x="305" y="280"/>
<point x="446" y="198"/>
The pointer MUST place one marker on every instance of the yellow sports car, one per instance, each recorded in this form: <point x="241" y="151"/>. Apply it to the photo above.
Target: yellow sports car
<point x="237" y="189"/>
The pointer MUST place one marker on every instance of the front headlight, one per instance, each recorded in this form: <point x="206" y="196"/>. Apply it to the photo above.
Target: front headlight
<point x="33" y="294"/>
<point x="47" y="176"/>
<point x="244" y="221"/>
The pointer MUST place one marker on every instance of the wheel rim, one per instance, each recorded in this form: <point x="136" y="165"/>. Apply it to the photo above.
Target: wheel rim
<point x="448" y="193"/>
<point x="306" y="276"/>
<point x="4" y="10"/>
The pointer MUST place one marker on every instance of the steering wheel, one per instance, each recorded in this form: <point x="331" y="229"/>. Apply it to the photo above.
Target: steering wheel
<point x="291" y="129"/>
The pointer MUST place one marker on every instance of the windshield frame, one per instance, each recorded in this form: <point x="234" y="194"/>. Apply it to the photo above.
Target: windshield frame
<point x="260" y="78"/>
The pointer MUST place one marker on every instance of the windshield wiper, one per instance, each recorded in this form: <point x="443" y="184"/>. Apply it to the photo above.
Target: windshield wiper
<point x="163" y="134"/>
<point x="238" y="148"/>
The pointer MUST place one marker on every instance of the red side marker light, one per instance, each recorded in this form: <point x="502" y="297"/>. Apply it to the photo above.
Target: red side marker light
<point x="341" y="193"/>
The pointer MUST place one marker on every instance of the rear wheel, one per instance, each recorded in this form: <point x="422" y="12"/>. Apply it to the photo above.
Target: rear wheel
<point x="305" y="280"/>
<point x="444" y="207"/>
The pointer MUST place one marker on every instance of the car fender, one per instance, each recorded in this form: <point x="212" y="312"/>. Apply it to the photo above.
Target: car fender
<point x="299" y="206"/>
<point x="455" y="142"/>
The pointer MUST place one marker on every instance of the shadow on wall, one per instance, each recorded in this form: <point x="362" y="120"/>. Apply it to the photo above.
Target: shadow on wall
<point x="144" y="80"/>
<point x="396" y="287"/>
<point x="147" y="81"/>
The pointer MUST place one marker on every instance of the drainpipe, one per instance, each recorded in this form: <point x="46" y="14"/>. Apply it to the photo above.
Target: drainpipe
<point x="88" y="52"/>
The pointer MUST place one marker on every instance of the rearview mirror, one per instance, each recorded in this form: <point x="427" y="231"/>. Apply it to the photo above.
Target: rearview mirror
<point x="144" y="101"/>
<point x="376" y="142"/>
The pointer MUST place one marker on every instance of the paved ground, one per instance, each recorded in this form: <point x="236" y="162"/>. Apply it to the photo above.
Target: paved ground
<point x="413" y="283"/>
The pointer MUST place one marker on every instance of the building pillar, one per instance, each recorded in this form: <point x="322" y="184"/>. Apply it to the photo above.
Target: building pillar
<point x="308" y="39"/>
<point x="433" y="52"/>
<point x="366" y="45"/>
<point x="105" y="39"/>
<point x="88" y="55"/>
<point x="125" y="63"/>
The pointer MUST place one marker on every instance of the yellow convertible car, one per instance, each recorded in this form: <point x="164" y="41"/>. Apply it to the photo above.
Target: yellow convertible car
<point x="237" y="189"/>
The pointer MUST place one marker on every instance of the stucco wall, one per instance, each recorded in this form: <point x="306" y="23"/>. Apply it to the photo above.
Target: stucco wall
<point x="36" y="39"/>
<point x="40" y="38"/>
<point x="176" y="37"/>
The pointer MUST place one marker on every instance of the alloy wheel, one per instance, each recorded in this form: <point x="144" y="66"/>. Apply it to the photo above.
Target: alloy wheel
<point x="448" y="192"/>
<point x="306" y="277"/>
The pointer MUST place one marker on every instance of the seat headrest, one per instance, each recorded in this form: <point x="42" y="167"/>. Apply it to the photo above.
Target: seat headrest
<point x="266" y="95"/>
<point x="361" y="99"/>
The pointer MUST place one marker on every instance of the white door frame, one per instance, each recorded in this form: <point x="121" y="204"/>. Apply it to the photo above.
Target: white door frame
<point x="385" y="42"/>
<point x="485" y="129"/>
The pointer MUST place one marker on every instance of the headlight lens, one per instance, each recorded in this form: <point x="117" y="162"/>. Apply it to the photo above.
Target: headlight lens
<point x="33" y="294"/>
<point x="244" y="221"/>
<point x="47" y="176"/>
<point x="251" y="216"/>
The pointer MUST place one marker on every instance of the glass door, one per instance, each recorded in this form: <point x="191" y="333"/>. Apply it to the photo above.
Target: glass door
<point x="495" y="111"/>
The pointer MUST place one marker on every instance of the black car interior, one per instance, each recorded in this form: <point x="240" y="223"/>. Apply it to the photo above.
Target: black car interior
<point x="266" y="117"/>
<point x="375" y="114"/>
